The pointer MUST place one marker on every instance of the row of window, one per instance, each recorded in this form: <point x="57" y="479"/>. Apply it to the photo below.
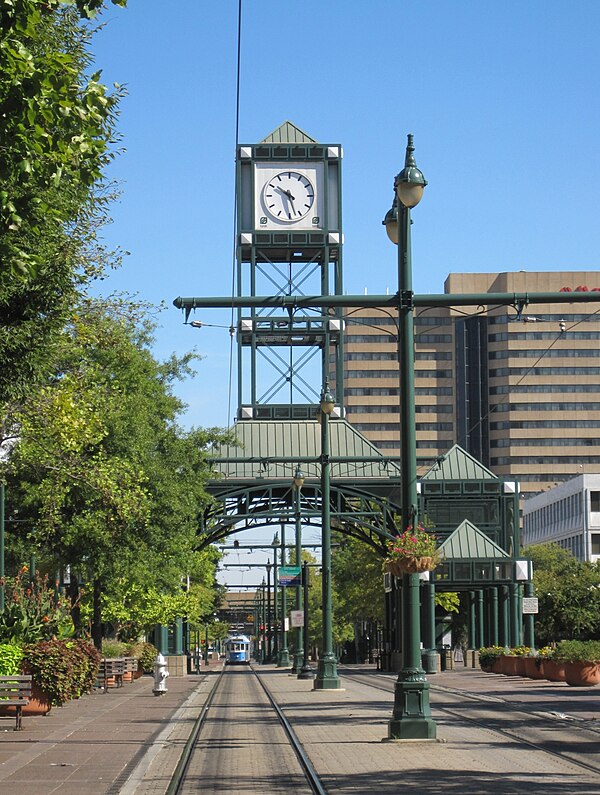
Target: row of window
<point x="543" y="424"/>
<point x="390" y="373"/>
<point x="554" y="353"/>
<point x="545" y="442"/>
<point x="392" y="356"/>
<point x="494" y="320"/>
<point x="506" y="371"/>
<point x="393" y="391"/>
<point x="524" y="388"/>
<point x="542" y="335"/>
<point x="392" y="339"/>
<point x="395" y="426"/>
<point x="546" y="459"/>
<point x="393" y="409"/>
<point x="547" y="407"/>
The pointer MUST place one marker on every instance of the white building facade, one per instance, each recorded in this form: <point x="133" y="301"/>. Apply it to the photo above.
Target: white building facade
<point x="567" y="515"/>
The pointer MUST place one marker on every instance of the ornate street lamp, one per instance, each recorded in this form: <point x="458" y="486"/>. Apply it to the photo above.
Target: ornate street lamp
<point x="411" y="718"/>
<point x="327" y="677"/>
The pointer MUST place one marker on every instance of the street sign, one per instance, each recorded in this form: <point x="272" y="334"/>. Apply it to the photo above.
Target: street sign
<point x="297" y="618"/>
<point x="290" y="576"/>
<point x="530" y="604"/>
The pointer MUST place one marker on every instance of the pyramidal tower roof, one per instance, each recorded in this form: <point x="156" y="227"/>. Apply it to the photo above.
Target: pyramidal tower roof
<point x="288" y="133"/>
<point x="457" y="464"/>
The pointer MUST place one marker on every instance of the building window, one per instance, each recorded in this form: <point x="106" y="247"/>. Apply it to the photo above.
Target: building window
<point x="595" y="543"/>
<point x="595" y="501"/>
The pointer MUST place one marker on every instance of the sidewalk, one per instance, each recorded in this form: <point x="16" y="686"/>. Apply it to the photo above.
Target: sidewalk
<point x="92" y="745"/>
<point x="128" y="740"/>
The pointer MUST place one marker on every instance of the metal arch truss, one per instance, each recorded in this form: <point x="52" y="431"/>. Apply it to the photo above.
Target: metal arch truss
<point x="357" y="512"/>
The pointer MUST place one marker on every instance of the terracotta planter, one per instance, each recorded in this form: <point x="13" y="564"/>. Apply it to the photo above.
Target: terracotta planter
<point x="139" y="671"/>
<point x="498" y="665"/>
<point x="554" y="671"/>
<point x="582" y="674"/>
<point x="532" y="670"/>
<point x="520" y="669"/>
<point x="509" y="666"/>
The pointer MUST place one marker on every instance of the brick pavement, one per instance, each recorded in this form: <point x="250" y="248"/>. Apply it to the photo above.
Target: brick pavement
<point x="128" y="741"/>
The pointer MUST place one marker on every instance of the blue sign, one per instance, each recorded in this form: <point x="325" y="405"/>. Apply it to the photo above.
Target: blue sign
<point x="290" y="576"/>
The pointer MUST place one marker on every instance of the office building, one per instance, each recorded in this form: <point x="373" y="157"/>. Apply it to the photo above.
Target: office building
<point x="519" y="390"/>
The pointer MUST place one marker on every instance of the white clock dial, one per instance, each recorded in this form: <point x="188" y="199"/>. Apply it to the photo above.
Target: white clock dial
<point x="288" y="196"/>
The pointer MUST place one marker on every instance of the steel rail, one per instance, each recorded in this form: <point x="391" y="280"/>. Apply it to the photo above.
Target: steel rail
<point x="507" y="707"/>
<point x="178" y="776"/>
<point x="309" y="771"/>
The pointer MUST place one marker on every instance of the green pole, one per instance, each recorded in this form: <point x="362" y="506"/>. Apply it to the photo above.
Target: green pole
<point x="263" y="656"/>
<point x="275" y="654"/>
<point x="298" y="483"/>
<point x="283" y="659"/>
<point x="327" y="677"/>
<point x="269" y="616"/>
<point x="480" y="622"/>
<point x="2" y="586"/>
<point x="306" y="672"/>
<point x="411" y="718"/>
<point x="493" y="597"/>
<point x="504" y="614"/>
<point x="528" y="618"/>
<point x="430" y="653"/>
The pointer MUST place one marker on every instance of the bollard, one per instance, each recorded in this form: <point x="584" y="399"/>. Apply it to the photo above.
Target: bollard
<point x="160" y="675"/>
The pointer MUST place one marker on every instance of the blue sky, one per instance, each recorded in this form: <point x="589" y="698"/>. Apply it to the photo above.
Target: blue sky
<point x="502" y="99"/>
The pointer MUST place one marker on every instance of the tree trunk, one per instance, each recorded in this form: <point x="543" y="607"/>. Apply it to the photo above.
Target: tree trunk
<point x="73" y="594"/>
<point x="97" y="616"/>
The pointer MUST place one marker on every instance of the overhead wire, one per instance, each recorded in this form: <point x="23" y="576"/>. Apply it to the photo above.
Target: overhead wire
<point x="234" y="236"/>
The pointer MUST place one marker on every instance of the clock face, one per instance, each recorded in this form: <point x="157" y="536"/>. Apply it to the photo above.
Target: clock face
<point x="288" y="196"/>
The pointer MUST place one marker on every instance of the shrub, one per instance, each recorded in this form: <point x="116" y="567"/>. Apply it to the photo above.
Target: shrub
<point x="145" y="653"/>
<point x="113" y="648"/>
<point x="62" y="669"/>
<point x="577" y="651"/>
<point x="33" y="610"/>
<point x="10" y="659"/>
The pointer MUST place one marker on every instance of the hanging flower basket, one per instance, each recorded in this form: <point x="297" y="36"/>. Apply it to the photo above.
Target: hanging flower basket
<point x="412" y="552"/>
<point x="410" y="565"/>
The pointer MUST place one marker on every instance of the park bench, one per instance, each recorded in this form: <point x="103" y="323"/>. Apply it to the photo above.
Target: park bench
<point x="15" y="691"/>
<point x="111" y="672"/>
<point x="130" y="666"/>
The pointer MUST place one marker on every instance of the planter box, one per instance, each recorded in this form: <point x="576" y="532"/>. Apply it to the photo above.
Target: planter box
<point x="553" y="671"/>
<point x="582" y="674"/>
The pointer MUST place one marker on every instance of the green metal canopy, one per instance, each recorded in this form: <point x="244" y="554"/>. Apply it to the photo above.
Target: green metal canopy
<point x="457" y="464"/>
<point x="467" y="541"/>
<point x="273" y="449"/>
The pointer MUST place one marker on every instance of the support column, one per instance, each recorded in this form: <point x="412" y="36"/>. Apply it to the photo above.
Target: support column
<point x="429" y="652"/>
<point x="283" y="658"/>
<point x="515" y="639"/>
<point x="472" y="624"/>
<point x="528" y="619"/>
<point x="493" y="616"/>
<point x="299" y="655"/>
<point x="480" y="619"/>
<point x="504" y="616"/>
<point x="178" y="637"/>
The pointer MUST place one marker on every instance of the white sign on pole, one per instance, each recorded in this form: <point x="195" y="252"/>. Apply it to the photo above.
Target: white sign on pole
<point x="286" y="624"/>
<point x="297" y="617"/>
<point x="530" y="604"/>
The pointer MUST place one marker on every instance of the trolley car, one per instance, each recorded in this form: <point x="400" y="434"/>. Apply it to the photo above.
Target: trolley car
<point x="237" y="649"/>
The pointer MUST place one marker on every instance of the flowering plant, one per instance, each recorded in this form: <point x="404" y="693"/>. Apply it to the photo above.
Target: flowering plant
<point x="415" y="542"/>
<point x="32" y="610"/>
<point x="412" y="551"/>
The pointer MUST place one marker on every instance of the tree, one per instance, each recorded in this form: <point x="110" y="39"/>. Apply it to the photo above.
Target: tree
<point x="111" y="484"/>
<point x="56" y="137"/>
<point x="568" y="592"/>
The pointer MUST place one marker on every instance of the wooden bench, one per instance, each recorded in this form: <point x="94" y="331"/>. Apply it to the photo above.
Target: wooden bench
<point x="15" y="691"/>
<point x="130" y="668"/>
<point x="111" y="669"/>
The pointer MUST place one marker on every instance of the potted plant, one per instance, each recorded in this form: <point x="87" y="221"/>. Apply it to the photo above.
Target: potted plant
<point x="521" y="655"/>
<point x="581" y="660"/>
<point x="553" y="669"/>
<point x="489" y="657"/>
<point x="61" y="670"/>
<point x="413" y="551"/>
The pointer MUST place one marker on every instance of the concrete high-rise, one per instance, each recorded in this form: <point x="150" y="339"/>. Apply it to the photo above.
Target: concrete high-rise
<point x="519" y="391"/>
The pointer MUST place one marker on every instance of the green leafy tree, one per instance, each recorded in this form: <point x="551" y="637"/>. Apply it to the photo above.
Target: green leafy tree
<point x="56" y="137"/>
<point x="568" y="591"/>
<point x="111" y="484"/>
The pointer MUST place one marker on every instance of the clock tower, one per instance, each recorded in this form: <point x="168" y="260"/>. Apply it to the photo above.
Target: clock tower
<point x="289" y="242"/>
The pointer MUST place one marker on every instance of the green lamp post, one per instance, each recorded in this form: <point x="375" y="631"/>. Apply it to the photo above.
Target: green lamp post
<point x="283" y="658"/>
<point x="298" y="482"/>
<point x="411" y="718"/>
<point x="327" y="677"/>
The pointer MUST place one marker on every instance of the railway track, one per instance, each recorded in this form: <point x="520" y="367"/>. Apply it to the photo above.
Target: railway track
<point x="558" y="736"/>
<point x="240" y="736"/>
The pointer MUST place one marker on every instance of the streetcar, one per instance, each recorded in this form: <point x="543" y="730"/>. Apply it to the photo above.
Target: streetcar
<point x="237" y="649"/>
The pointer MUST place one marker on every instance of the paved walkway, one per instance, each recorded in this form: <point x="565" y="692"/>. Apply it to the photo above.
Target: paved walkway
<point x="128" y="741"/>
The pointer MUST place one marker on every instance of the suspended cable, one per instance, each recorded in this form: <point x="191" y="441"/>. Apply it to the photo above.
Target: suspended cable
<point x="234" y="236"/>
